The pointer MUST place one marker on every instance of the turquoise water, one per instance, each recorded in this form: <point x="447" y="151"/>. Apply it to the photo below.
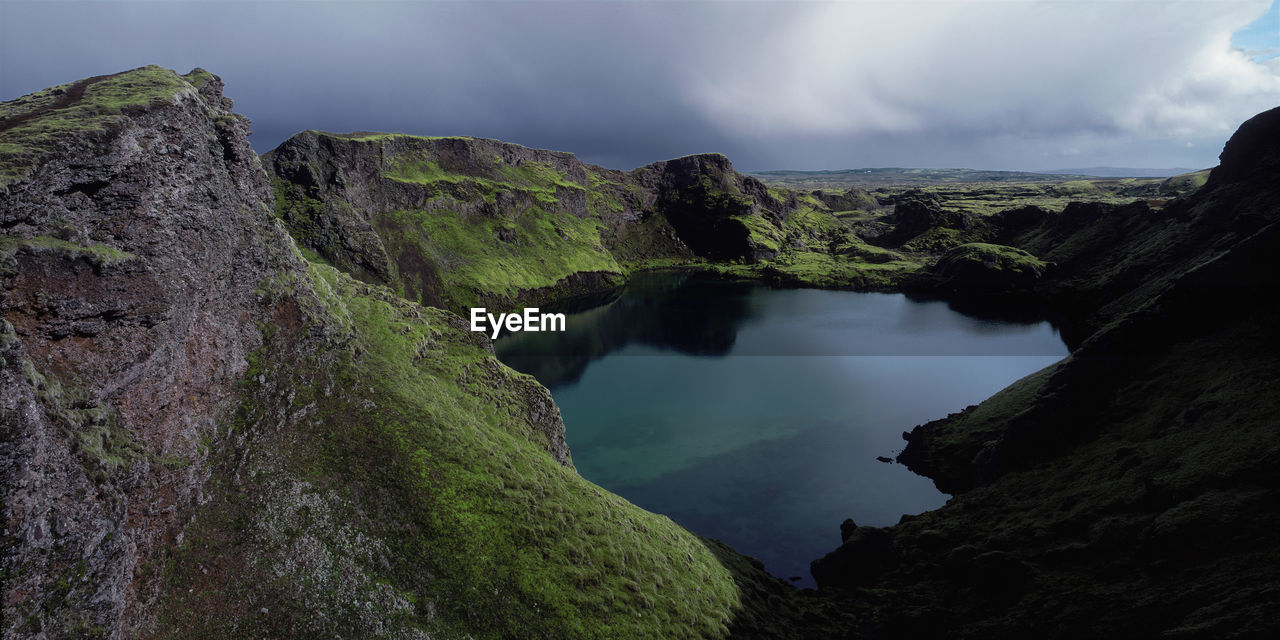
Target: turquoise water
<point x="755" y="415"/>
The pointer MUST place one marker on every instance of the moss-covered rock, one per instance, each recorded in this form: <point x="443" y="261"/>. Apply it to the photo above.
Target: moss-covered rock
<point x="979" y="266"/>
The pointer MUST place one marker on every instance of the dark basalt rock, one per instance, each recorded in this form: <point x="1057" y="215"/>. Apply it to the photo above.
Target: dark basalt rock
<point x="130" y="314"/>
<point x="1082" y="493"/>
<point x="1251" y="153"/>
<point x="1013" y="221"/>
<point x="866" y="554"/>
<point x="916" y="212"/>
<point x="705" y="199"/>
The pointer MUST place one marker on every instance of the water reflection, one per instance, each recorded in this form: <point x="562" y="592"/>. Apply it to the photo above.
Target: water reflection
<point x="754" y="415"/>
<point x="690" y="313"/>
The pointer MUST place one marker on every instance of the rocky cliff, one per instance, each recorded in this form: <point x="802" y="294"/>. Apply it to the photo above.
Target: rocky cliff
<point x="136" y="231"/>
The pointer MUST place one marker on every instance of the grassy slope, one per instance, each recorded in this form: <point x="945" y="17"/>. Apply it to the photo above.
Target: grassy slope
<point x="410" y="480"/>
<point x="519" y="248"/>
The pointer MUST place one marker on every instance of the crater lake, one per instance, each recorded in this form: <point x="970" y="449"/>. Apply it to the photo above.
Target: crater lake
<point x="755" y="415"/>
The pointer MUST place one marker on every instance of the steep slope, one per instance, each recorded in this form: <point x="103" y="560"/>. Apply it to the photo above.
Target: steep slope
<point x="205" y="435"/>
<point x="135" y="231"/>
<point x="1129" y="490"/>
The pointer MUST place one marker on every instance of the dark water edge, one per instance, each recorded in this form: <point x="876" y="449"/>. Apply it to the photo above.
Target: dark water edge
<point x="755" y="415"/>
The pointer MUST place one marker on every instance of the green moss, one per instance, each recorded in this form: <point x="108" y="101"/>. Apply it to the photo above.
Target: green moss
<point x="761" y="233"/>
<point x="481" y="258"/>
<point x="814" y="269"/>
<point x="198" y="77"/>
<point x="100" y="254"/>
<point x="936" y="240"/>
<point x="997" y="255"/>
<point x="1184" y="183"/>
<point x="106" y="445"/>
<point x="587" y="562"/>
<point x="102" y="106"/>
<point x="379" y="137"/>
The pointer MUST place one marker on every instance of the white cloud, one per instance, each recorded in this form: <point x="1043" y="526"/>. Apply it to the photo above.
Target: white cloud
<point x="1138" y="70"/>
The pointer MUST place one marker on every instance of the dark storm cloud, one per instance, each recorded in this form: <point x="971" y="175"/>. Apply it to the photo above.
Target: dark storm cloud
<point x="770" y="84"/>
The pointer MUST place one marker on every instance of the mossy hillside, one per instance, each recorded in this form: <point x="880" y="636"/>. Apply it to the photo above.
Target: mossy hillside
<point x="632" y="231"/>
<point x="817" y="247"/>
<point x="34" y="124"/>
<point x="811" y="269"/>
<point x="465" y="523"/>
<point x="996" y="256"/>
<point x="1184" y="183"/>
<point x="532" y="231"/>
<point x="983" y="192"/>
<point x="485" y="260"/>
<point x="537" y="178"/>
<point x="989" y="268"/>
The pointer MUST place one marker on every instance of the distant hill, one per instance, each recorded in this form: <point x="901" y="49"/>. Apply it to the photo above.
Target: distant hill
<point x="1120" y="172"/>
<point x="897" y="176"/>
<point x="870" y="178"/>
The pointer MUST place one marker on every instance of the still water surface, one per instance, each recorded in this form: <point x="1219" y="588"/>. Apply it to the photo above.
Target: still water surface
<point x="754" y="415"/>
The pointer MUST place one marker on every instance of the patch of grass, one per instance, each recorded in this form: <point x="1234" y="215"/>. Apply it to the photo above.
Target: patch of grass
<point x="761" y="233"/>
<point x="198" y="77"/>
<point x="102" y="106"/>
<point x="483" y="258"/>
<point x="998" y="256"/>
<point x="99" y="253"/>
<point x="807" y="268"/>
<point x="1184" y="183"/>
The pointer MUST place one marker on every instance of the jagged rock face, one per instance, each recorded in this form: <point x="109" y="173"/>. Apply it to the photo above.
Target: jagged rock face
<point x="709" y="203"/>
<point x="131" y="255"/>
<point x="351" y="180"/>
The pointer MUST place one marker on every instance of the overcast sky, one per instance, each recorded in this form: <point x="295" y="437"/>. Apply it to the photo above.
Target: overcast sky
<point x="1034" y="84"/>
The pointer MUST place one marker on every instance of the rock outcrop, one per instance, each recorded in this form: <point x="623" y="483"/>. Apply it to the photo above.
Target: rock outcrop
<point x="989" y="269"/>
